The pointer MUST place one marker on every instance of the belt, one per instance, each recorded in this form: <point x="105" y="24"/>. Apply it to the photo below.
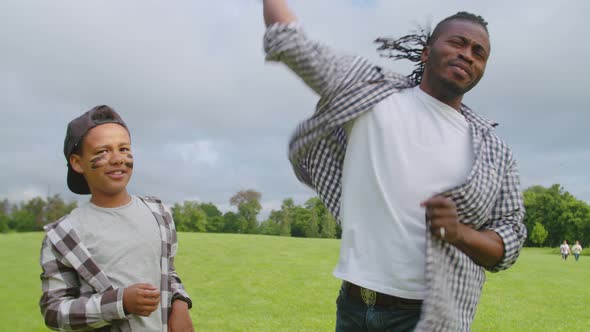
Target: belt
<point x="371" y="297"/>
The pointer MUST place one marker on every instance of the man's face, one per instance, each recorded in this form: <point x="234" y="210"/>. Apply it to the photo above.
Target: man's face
<point x="106" y="161"/>
<point x="456" y="59"/>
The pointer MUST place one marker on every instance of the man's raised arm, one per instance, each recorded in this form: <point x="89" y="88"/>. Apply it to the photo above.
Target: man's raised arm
<point x="319" y="66"/>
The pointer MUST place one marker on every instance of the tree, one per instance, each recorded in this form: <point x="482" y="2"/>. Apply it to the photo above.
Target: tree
<point x="231" y="222"/>
<point x="562" y="215"/>
<point x="313" y="229"/>
<point x="4" y="208"/>
<point x="56" y="208"/>
<point x="35" y="208"/>
<point x="300" y="221"/>
<point x="328" y="227"/>
<point x="248" y="203"/>
<point x="215" y="222"/>
<point x="189" y="217"/>
<point x="539" y="234"/>
<point x="211" y="210"/>
<point x="4" y="224"/>
<point x="23" y="220"/>
<point x="286" y="217"/>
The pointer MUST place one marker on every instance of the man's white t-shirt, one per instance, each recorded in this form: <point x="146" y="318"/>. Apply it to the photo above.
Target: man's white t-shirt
<point x="408" y="148"/>
<point x="125" y="243"/>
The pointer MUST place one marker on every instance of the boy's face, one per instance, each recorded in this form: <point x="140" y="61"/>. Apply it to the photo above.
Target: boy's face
<point x="106" y="161"/>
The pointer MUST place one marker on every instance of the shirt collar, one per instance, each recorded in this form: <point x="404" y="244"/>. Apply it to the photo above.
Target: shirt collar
<point x="477" y="119"/>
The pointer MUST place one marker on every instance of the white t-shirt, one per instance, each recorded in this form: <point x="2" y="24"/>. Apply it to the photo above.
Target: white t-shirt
<point x="125" y="243"/>
<point x="564" y="248"/>
<point x="408" y="148"/>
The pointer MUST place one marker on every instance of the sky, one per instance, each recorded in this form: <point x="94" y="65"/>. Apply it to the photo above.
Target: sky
<point x="209" y="116"/>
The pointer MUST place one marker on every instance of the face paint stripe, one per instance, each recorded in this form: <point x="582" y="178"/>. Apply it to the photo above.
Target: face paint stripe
<point x="94" y="162"/>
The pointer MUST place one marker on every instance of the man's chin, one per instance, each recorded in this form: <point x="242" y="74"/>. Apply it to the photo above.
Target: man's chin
<point x="457" y="88"/>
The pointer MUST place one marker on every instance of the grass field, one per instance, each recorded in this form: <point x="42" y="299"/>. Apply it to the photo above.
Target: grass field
<point x="263" y="283"/>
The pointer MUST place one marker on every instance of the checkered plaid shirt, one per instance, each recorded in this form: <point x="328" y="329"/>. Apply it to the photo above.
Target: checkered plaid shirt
<point x="78" y="295"/>
<point x="490" y="199"/>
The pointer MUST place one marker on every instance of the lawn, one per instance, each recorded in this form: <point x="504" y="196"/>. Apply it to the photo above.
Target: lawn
<point x="264" y="283"/>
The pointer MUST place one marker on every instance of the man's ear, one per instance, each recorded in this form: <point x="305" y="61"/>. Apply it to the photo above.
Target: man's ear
<point x="75" y="163"/>
<point x="425" y="53"/>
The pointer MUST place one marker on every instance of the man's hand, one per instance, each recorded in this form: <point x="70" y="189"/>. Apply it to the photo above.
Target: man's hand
<point x="179" y="319"/>
<point x="141" y="299"/>
<point x="444" y="220"/>
<point x="277" y="11"/>
<point x="485" y="247"/>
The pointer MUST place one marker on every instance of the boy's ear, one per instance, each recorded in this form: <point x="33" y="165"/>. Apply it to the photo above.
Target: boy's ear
<point x="75" y="162"/>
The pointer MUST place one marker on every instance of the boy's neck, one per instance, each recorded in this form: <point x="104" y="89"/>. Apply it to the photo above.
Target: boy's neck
<point x="106" y="201"/>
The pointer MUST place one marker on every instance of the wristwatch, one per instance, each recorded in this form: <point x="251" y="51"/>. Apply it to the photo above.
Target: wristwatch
<point x="177" y="296"/>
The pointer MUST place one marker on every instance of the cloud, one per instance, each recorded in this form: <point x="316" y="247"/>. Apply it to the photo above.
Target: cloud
<point x="209" y="117"/>
<point x="196" y="153"/>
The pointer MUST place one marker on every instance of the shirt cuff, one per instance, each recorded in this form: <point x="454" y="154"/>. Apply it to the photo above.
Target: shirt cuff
<point x="111" y="305"/>
<point x="276" y="37"/>
<point x="511" y="248"/>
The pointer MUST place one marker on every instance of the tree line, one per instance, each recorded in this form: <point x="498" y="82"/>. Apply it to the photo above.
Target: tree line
<point x="311" y="219"/>
<point x="552" y="215"/>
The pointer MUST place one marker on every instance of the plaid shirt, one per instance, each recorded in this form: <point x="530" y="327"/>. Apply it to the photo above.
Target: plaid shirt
<point x="78" y="295"/>
<point x="490" y="199"/>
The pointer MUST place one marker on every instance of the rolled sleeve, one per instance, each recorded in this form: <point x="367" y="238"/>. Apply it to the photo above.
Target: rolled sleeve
<point x="507" y="217"/>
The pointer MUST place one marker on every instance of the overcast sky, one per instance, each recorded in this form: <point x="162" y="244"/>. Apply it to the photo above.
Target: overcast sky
<point x="209" y="117"/>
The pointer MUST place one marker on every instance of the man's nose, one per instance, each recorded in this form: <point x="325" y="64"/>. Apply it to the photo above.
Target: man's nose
<point x="466" y="55"/>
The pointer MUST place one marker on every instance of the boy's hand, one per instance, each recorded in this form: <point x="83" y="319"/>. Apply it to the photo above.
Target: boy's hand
<point x="141" y="299"/>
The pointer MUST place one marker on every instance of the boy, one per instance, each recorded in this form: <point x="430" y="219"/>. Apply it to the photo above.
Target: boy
<point x="109" y="264"/>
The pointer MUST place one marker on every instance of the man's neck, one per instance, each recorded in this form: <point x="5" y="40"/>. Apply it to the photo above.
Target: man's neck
<point x="450" y="99"/>
<point x="107" y="201"/>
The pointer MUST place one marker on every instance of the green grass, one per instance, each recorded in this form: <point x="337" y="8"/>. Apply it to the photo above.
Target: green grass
<point x="263" y="283"/>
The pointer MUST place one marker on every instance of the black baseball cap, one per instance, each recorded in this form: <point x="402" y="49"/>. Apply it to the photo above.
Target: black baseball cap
<point x="77" y="129"/>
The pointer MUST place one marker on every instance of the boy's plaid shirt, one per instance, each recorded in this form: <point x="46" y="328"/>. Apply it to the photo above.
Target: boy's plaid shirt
<point x="77" y="295"/>
<point x="489" y="199"/>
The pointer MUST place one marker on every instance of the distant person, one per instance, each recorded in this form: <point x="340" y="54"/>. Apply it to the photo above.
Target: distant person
<point x="109" y="264"/>
<point x="564" y="248"/>
<point x="577" y="250"/>
<point x="427" y="194"/>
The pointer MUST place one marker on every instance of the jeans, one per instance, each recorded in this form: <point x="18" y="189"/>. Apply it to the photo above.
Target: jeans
<point x="577" y="256"/>
<point x="353" y="315"/>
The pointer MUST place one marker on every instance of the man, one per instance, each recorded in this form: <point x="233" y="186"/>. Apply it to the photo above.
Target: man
<point x="109" y="264"/>
<point x="577" y="250"/>
<point x="564" y="248"/>
<point x="427" y="195"/>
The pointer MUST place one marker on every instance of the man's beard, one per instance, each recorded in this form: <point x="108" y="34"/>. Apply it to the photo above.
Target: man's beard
<point x="455" y="88"/>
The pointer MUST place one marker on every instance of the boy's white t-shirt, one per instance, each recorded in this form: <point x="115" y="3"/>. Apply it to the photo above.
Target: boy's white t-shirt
<point x="125" y="242"/>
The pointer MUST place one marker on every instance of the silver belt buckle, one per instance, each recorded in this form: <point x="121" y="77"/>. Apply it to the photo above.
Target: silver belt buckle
<point x="368" y="296"/>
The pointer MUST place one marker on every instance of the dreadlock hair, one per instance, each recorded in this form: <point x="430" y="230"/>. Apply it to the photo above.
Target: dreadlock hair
<point x="410" y="46"/>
